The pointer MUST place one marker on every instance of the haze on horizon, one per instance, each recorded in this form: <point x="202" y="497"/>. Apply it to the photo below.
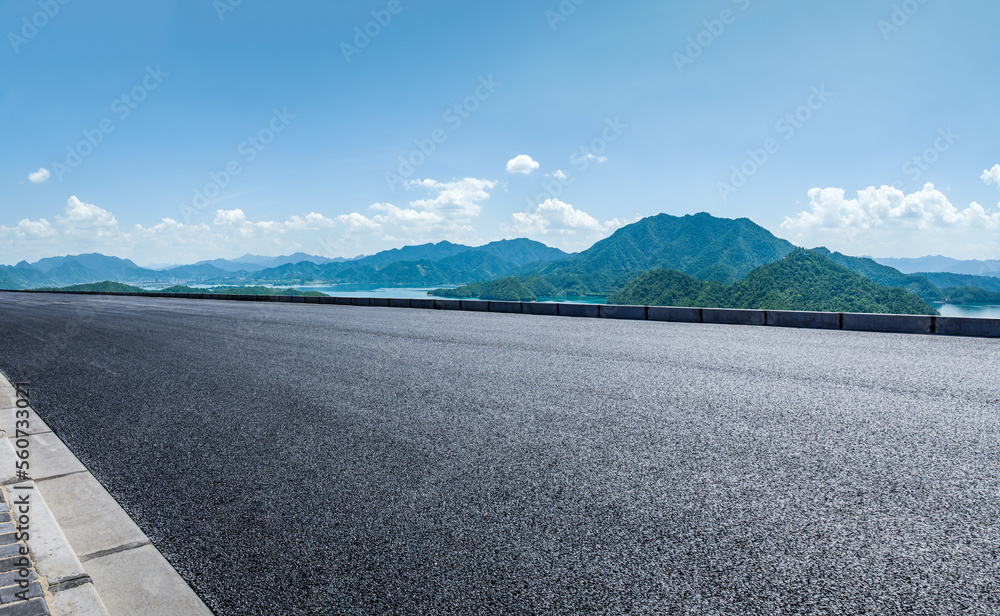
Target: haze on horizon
<point x="173" y="133"/>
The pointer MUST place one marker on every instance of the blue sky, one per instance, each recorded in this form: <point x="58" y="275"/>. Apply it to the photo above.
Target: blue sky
<point x="869" y="127"/>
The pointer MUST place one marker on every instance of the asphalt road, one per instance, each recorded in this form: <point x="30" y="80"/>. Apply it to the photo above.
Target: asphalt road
<point x="300" y="459"/>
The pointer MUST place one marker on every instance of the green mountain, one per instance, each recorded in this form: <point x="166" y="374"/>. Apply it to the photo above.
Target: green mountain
<point x="945" y="279"/>
<point x="502" y="290"/>
<point x="423" y="252"/>
<point x="243" y="291"/>
<point x="111" y="267"/>
<point x="699" y="245"/>
<point x="97" y="287"/>
<point x="804" y="280"/>
<point x="969" y="295"/>
<point x="516" y="252"/>
<point x="885" y="275"/>
<point x="523" y="251"/>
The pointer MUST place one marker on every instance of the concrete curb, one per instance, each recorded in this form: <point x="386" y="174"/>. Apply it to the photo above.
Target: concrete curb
<point x="94" y="559"/>
<point x="887" y="323"/>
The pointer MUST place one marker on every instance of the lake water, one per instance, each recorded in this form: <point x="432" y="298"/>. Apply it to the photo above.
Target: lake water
<point x="983" y="311"/>
<point x="366" y="290"/>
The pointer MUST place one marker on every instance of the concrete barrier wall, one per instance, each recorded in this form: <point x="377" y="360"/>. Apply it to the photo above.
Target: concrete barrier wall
<point x="507" y="307"/>
<point x="612" y="311"/>
<point x="677" y="315"/>
<point x="590" y="311"/>
<point x="475" y="305"/>
<point x="889" y="323"/>
<point x="733" y="317"/>
<point x="960" y="326"/>
<point x="544" y="309"/>
<point x="811" y="320"/>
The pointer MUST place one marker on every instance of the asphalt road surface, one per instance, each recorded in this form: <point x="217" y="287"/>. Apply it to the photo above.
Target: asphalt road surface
<point x="305" y="459"/>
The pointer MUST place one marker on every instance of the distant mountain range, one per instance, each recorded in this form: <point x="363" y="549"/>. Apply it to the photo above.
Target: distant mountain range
<point x="256" y="263"/>
<point x="688" y="260"/>
<point x="944" y="264"/>
<point x="428" y="264"/>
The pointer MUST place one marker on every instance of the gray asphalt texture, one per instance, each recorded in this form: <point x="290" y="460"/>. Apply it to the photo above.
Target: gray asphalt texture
<point x="300" y="459"/>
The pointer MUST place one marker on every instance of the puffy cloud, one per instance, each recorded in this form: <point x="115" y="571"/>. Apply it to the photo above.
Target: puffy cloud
<point x="522" y="164"/>
<point x="29" y="229"/>
<point x="85" y="216"/>
<point x="559" y="175"/>
<point x="592" y="156"/>
<point x="447" y="212"/>
<point x="557" y="218"/>
<point x="991" y="176"/>
<point x="229" y="217"/>
<point x="39" y="176"/>
<point x="887" y="207"/>
<point x="459" y="199"/>
<point x="885" y="221"/>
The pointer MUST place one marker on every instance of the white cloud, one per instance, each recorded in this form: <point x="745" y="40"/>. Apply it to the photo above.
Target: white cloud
<point x="557" y="219"/>
<point x="459" y="199"/>
<point x="28" y="229"/>
<point x="448" y="214"/>
<point x="991" y="176"/>
<point x="522" y="164"/>
<point x="559" y="175"/>
<point x="448" y="211"/>
<point x="229" y="217"/>
<point x="85" y="216"/>
<point x="592" y="156"/>
<point x="885" y="221"/>
<point x="39" y="176"/>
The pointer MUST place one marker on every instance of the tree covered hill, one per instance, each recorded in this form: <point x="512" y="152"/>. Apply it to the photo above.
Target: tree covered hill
<point x="885" y="275"/>
<point x="699" y="245"/>
<point x="803" y="280"/>
<point x="946" y="279"/>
